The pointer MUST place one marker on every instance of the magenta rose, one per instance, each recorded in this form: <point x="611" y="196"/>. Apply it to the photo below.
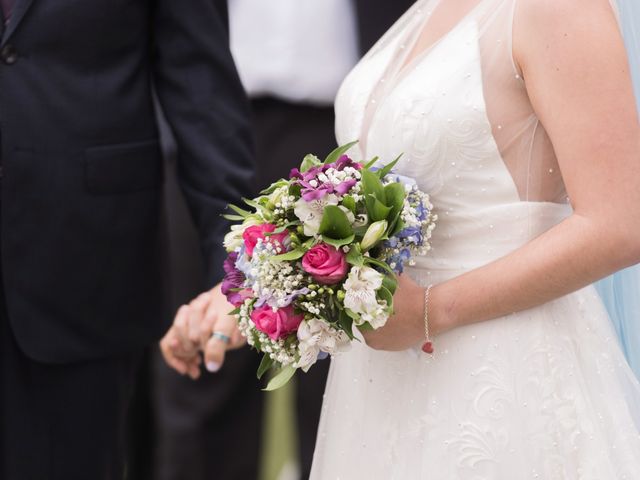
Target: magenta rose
<point x="259" y="232"/>
<point x="276" y="324"/>
<point x="326" y="264"/>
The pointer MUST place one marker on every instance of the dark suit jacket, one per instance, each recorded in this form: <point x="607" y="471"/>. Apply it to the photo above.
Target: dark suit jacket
<point x="82" y="255"/>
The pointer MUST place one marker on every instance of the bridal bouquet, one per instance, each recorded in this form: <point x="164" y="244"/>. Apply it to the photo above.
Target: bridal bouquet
<point x="318" y="253"/>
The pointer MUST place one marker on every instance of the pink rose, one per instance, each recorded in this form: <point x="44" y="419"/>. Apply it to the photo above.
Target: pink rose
<point x="326" y="264"/>
<point x="258" y="232"/>
<point x="276" y="324"/>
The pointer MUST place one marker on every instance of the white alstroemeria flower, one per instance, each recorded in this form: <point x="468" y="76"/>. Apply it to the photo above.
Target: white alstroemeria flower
<point x="315" y="336"/>
<point x="360" y="295"/>
<point x="233" y="239"/>
<point x="310" y="213"/>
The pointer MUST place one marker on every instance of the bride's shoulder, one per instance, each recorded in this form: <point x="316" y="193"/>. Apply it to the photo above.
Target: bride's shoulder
<point x="562" y="12"/>
<point x="563" y="28"/>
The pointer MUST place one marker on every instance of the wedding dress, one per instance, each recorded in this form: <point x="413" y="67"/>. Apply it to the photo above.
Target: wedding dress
<point x="545" y="393"/>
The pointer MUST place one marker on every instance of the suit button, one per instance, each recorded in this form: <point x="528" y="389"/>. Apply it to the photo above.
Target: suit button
<point x="9" y="54"/>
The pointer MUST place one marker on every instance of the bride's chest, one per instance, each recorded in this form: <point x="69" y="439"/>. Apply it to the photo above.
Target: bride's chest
<point x="431" y="110"/>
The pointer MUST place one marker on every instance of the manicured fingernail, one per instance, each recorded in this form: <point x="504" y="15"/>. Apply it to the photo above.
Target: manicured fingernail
<point x="213" y="366"/>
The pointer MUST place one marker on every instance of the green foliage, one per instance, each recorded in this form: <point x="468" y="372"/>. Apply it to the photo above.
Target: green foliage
<point x="281" y="378"/>
<point x="265" y="364"/>
<point x="289" y="256"/>
<point x="355" y="257"/>
<point x="371" y="185"/>
<point x="240" y="211"/>
<point x="274" y="186"/>
<point x="390" y="282"/>
<point x="385" y="294"/>
<point x="233" y="218"/>
<point x="335" y="224"/>
<point x="338" y="152"/>
<point x="346" y="323"/>
<point x="349" y="203"/>
<point x="384" y="171"/>
<point x="371" y="163"/>
<point x="376" y="209"/>
<point x="309" y="162"/>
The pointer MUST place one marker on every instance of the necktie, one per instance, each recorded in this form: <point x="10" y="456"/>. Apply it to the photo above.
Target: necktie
<point x="7" y="6"/>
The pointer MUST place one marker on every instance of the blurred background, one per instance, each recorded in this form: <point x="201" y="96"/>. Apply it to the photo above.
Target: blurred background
<point x="292" y="56"/>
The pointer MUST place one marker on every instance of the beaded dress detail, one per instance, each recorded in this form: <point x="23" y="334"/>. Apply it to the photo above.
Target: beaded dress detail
<point x="545" y="393"/>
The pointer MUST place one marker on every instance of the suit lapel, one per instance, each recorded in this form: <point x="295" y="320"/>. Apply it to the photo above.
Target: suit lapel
<point x="19" y="10"/>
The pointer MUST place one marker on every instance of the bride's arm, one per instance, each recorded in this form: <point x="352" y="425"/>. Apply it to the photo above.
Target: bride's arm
<point x="577" y="77"/>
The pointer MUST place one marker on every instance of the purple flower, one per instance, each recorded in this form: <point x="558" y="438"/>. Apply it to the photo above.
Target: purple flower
<point x="233" y="282"/>
<point x="345" y="186"/>
<point x="343" y="162"/>
<point x="310" y="193"/>
<point x="322" y="189"/>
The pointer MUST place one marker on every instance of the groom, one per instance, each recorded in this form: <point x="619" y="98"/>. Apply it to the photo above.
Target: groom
<point x="81" y="246"/>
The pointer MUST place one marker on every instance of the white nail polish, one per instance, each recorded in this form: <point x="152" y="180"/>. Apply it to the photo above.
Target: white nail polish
<point x="213" y="366"/>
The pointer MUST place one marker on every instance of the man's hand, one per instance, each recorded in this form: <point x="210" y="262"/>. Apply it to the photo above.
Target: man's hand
<point x="192" y="332"/>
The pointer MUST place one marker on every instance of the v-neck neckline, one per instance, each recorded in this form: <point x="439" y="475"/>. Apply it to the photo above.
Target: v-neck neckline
<point x="401" y="65"/>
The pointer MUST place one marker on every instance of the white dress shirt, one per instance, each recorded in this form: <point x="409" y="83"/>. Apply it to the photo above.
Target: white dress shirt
<point x="296" y="50"/>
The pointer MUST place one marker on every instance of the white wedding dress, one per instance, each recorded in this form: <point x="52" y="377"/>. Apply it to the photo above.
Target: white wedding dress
<point x="541" y="394"/>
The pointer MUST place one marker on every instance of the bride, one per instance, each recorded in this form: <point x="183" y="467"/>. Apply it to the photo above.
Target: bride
<point x="518" y="117"/>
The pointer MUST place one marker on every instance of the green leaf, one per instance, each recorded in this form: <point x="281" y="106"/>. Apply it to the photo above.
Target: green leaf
<point x="309" y="243"/>
<point x="240" y="211"/>
<point x="265" y="364"/>
<point x="338" y="152"/>
<point x="388" y="167"/>
<point x="309" y="162"/>
<point x="350" y="203"/>
<point x="233" y="218"/>
<point x="339" y="242"/>
<point x="252" y="203"/>
<point x="335" y="223"/>
<point x="285" y="226"/>
<point x="274" y="186"/>
<point x="353" y="315"/>
<point x="281" y="378"/>
<point x="371" y="163"/>
<point x="289" y="256"/>
<point x="382" y="265"/>
<point x="295" y="189"/>
<point x="346" y="324"/>
<point x="395" y="195"/>
<point x="385" y="294"/>
<point x="355" y="257"/>
<point x="376" y="209"/>
<point x="390" y="282"/>
<point x="371" y="185"/>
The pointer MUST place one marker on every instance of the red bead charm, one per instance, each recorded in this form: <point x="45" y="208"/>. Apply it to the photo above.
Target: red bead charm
<point x="427" y="347"/>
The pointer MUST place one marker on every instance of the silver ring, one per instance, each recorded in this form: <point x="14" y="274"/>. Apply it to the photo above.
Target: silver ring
<point x="222" y="337"/>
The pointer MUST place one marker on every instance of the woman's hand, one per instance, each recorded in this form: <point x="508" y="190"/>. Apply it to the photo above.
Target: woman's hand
<point x="405" y="328"/>
<point x="192" y="330"/>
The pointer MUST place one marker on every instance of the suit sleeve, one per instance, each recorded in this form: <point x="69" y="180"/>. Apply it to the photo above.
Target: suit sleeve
<point x="205" y="105"/>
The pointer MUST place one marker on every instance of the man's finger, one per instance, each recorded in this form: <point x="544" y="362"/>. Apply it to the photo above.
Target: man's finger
<point x="195" y="318"/>
<point x="181" y="327"/>
<point x="207" y="324"/>
<point x="166" y="348"/>
<point x="223" y="331"/>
